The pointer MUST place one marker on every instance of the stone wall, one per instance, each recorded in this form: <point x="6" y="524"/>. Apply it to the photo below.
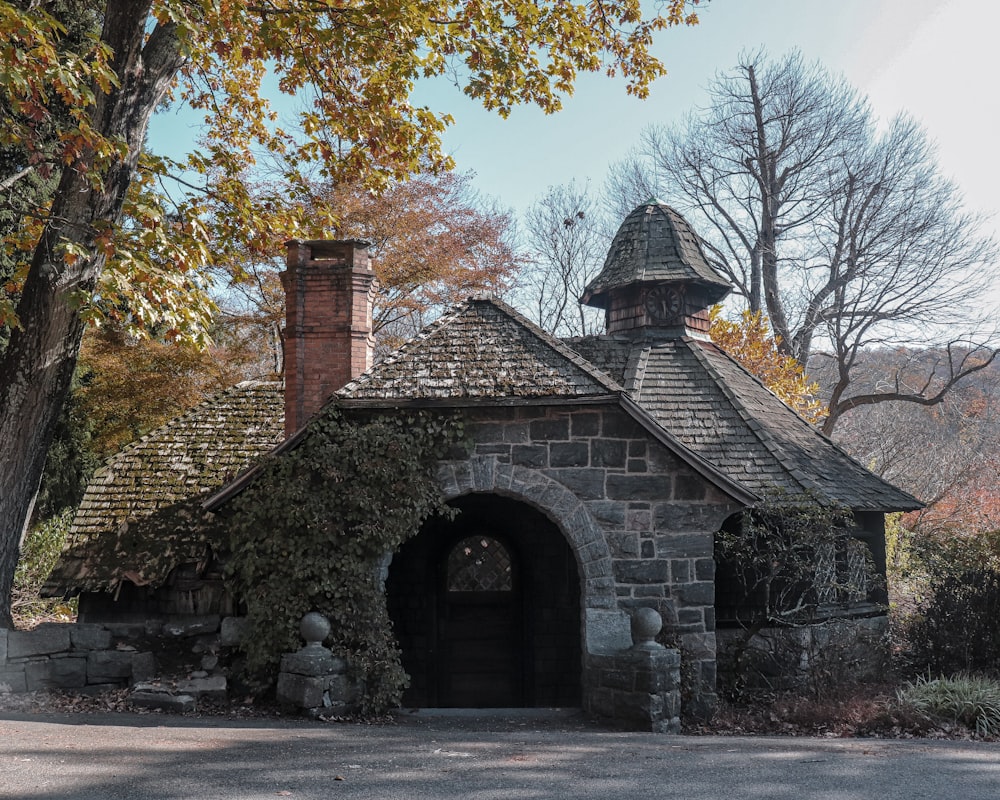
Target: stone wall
<point x="70" y="657"/>
<point x="641" y="522"/>
<point x="827" y="654"/>
<point x="168" y="663"/>
<point x="637" y="689"/>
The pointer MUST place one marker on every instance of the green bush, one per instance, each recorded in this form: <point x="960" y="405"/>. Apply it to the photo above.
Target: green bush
<point x="39" y="554"/>
<point x="958" y="629"/>
<point x="965" y="699"/>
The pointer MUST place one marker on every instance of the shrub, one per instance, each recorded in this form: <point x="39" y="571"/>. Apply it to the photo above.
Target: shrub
<point x="39" y="553"/>
<point x="958" y="629"/>
<point x="969" y="700"/>
<point x="782" y="567"/>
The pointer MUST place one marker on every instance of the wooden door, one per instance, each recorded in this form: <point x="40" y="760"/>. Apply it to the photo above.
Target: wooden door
<point x="480" y="626"/>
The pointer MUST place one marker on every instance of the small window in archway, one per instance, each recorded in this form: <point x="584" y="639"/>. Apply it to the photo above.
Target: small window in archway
<point x="479" y="564"/>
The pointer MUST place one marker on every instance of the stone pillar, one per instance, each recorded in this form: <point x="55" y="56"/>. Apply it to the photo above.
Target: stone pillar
<point x="313" y="680"/>
<point x="638" y="688"/>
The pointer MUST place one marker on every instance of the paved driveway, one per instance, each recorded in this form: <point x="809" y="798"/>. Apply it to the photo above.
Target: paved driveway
<point x="479" y="757"/>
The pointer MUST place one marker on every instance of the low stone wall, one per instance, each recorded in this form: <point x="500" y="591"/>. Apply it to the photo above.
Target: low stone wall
<point x="169" y="662"/>
<point x="834" y="652"/>
<point x="70" y="657"/>
<point x="630" y="679"/>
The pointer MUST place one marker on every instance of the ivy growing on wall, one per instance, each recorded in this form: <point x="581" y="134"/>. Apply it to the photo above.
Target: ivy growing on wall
<point x="311" y="531"/>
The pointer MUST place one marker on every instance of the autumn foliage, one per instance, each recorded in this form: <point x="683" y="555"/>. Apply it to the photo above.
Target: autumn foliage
<point x="131" y="385"/>
<point x="749" y="340"/>
<point x="433" y="241"/>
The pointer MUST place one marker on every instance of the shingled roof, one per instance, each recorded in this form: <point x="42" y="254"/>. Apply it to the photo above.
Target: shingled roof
<point x="684" y="391"/>
<point x="481" y="349"/>
<point x="162" y="473"/>
<point x="654" y="244"/>
<point x="714" y="406"/>
<point x="484" y="352"/>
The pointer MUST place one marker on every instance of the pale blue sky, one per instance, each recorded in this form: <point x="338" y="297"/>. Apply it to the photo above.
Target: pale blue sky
<point x="933" y="59"/>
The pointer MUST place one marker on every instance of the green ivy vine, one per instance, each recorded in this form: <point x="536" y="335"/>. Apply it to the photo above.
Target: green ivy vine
<point x="310" y="533"/>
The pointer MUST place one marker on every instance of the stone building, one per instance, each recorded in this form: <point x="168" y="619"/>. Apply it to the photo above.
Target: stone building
<point x="602" y="469"/>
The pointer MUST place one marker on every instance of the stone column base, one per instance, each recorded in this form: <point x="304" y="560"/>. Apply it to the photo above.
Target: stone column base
<point x="638" y="689"/>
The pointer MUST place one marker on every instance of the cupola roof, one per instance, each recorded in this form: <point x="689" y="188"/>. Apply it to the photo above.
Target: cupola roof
<point x="654" y="244"/>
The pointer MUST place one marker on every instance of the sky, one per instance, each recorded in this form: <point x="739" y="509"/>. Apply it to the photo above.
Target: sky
<point x="933" y="59"/>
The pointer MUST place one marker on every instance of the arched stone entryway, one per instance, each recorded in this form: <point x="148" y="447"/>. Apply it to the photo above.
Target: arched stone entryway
<point x="486" y="608"/>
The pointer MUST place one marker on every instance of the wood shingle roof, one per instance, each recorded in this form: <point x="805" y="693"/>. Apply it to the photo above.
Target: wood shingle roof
<point x="192" y="454"/>
<point x="714" y="406"/>
<point x="654" y="244"/>
<point x="482" y="349"/>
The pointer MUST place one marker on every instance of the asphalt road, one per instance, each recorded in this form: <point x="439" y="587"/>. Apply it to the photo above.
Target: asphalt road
<point x="479" y="757"/>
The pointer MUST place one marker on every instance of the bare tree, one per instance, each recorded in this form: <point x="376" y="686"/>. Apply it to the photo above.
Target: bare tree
<point x="567" y="242"/>
<point x="848" y="238"/>
<point x="927" y="450"/>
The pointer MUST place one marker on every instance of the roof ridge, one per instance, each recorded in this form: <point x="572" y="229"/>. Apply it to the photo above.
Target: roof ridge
<point x="635" y="369"/>
<point x="456" y="311"/>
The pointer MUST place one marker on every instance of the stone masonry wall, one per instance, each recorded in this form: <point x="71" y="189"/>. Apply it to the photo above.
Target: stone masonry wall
<point x="68" y="656"/>
<point x="168" y="663"/>
<point x="640" y="521"/>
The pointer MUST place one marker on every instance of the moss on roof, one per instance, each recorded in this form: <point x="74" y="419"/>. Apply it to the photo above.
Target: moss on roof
<point x="153" y="481"/>
<point x="481" y="349"/>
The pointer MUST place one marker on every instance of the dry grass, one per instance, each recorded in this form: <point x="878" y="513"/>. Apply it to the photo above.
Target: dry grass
<point x="871" y="710"/>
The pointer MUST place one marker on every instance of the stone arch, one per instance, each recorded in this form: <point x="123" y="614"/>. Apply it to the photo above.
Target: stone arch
<point x="486" y="474"/>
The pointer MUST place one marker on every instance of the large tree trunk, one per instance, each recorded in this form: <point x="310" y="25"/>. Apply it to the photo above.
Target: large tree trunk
<point x="37" y="366"/>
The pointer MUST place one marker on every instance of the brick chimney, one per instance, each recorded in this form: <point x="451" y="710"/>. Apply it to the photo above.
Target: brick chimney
<point x="329" y="287"/>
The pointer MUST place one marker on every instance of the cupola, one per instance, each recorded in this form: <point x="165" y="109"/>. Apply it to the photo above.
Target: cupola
<point x="656" y="277"/>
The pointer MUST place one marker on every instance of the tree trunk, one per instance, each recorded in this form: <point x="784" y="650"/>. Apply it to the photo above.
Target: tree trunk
<point x="37" y="367"/>
<point x="766" y="248"/>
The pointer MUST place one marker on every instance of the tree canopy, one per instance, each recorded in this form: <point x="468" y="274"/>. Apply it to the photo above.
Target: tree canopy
<point x="352" y="63"/>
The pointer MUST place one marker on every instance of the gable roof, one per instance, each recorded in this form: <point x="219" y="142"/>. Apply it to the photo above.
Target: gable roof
<point x="481" y="349"/>
<point x="654" y="243"/>
<point x="714" y="406"/>
<point x="187" y="457"/>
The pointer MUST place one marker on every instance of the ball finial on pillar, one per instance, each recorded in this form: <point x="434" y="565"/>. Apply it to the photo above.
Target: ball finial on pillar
<point x="314" y="629"/>
<point x="646" y="623"/>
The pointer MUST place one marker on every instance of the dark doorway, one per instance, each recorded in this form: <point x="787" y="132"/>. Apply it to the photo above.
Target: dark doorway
<point x="480" y="626"/>
<point x="486" y="608"/>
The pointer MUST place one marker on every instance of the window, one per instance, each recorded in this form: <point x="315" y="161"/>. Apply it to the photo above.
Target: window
<point x="479" y="564"/>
